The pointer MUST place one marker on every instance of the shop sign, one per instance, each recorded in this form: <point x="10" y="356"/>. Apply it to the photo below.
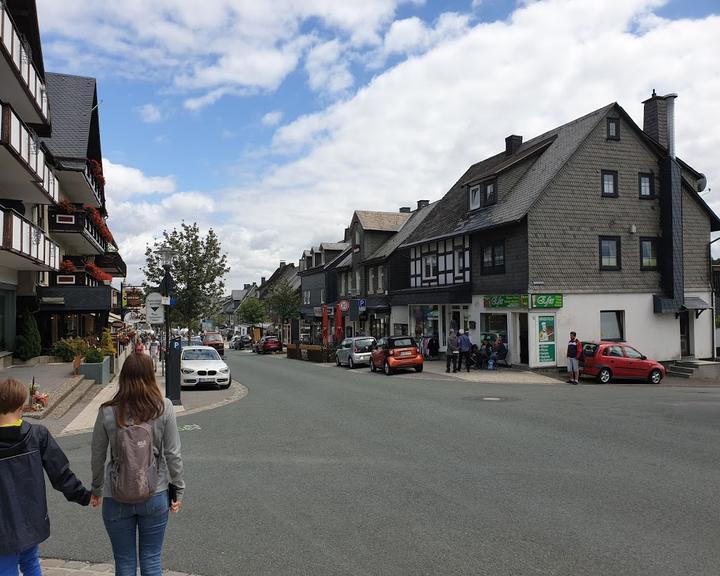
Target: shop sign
<point x="546" y="339"/>
<point x="507" y="301"/>
<point x="547" y="300"/>
<point x="133" y="297"/>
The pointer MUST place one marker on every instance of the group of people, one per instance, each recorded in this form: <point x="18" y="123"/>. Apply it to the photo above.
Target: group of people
<point x="461" y="350"/>
<point x="137" y="474"/>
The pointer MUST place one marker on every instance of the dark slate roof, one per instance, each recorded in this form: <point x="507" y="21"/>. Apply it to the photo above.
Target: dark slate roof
<point x="333" y="246"/>
<point x="451" y="218"/>
<point x="382" y="221"/>
<point x="346" y="262"/>
<point x="72" y="99"/>
<point x="412" y="224"/>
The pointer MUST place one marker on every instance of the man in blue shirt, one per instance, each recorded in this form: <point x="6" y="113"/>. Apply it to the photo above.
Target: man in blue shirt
<point x="465" y="346"/>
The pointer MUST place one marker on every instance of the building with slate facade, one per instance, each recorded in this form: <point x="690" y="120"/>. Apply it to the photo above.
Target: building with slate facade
<point x="58" y="257"/>
<point x="595" y="226"/>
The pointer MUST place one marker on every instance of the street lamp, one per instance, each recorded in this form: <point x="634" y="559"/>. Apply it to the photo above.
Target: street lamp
<point x="167" y="255"/>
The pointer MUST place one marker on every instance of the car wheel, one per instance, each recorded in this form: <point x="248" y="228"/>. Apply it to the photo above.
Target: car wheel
<point x="386" y="368"/>
<point x="419" y="368"/>
<point x="655" y="376"/>
<point x="351" y="364"/>
<point x="604" y="376"/>
<point x="337" y="360"/>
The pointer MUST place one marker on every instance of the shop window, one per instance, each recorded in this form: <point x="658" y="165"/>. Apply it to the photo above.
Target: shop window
<point x="492" y="326"/>
<point x="648" y="254"/>
<point x="425" y="320"/>
<point x="609" y="183"/>
<point x="493" y="258"/>
<point x="612" y="325"/>
<point x="610" y="253"/>
<point x="400" y="329"/>
<point x="613" y="128"/>
<point x="646" y="186"/>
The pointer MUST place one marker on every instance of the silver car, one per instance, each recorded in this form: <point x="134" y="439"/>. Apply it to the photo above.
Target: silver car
<point x="354" y="351"/>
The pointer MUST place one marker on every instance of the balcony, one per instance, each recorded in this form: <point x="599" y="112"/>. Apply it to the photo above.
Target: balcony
<point x="21" y="84"/>
<point x="112" y="263"/>
<point x="25" y="246"/>
<point x="24" y="173"/>
<point x="75" y="299"/>
<point x="77" y="232"/>
<point x="80" y="184"/>
<point x="77" y="278"/>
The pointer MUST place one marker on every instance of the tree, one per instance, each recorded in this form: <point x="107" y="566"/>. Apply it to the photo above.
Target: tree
<point x="27" y="344"/>
<point x="197" y="272"/>
<point x="283" y="302"/>
<point x="251" y="311"/>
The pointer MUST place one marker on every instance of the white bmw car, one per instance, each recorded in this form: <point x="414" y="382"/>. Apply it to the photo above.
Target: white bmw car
<point x="202" y="365"/>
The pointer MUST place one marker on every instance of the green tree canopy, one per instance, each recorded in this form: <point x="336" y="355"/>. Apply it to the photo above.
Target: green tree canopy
<point x="197" y="272"/>
<point x="251" y="311"/>
<point x="283" y="303"/>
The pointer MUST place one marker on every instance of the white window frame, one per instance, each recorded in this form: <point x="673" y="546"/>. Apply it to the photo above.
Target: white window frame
<point x="357" y="280"/>
<point x="322" y="295"/>
<point x="432" y="260"/>
<point x="475" y="197"/>
<point x="371" y="280"/>
<point x="380" y="279"/>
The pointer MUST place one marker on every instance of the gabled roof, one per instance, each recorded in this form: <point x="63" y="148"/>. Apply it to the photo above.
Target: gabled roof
<point x="333" y="246"/>
<point x="345" y="261"/>
<point x="74" y="106"/>
<point x="381" y="221"/>
<point x="412" y="224"/>
<point x="553" y="150"/>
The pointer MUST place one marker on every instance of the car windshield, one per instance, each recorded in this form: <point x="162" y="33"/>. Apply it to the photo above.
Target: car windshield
<point x="401" y="343"/>
<point x="200" y="355"/>
<point x="364" y="344"/>
<point x="213" y="337"/>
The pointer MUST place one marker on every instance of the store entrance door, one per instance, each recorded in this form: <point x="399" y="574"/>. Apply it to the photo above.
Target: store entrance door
<point x="684" y="333"/>
<point x="523" y="334"/>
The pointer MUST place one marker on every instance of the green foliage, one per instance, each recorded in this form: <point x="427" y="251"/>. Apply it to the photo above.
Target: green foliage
<point x="197" y="272"/>
<point x="94" y="356"/>
<point x="27" y="344"/>
<point x="106" y="343"/>
<point x="717" y="321"/>
<point x="251" y="311"/>
<point x="67" y="348"/>
<point x="283" y="302"/>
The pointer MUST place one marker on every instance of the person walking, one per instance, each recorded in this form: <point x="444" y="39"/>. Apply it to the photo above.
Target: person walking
<point x="143" y="477"/>
<point x="574" y="351"/>
<point x="452" y="352"/>
<point x="25" y="451"/>
<point x="155" y="352"/>
<point x="465" y="346"/>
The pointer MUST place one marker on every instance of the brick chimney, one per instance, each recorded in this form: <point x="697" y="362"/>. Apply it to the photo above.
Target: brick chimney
<point x="512" y="144"/>
<point x="246" y="287"/>
<point x="262" y="280"/>
<point x="422" y="204"/>
<point x="658" y="119"/>
<point x="405" y="210"/>
<point x="282" y="263"/>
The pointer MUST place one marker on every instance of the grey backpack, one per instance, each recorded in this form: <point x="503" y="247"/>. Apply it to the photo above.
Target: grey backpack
<point x="134" y="473"/>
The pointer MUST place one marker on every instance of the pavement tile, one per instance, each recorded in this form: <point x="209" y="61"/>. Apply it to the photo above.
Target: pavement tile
<point x="100" y="568"/>
<point x="59" y="572"/>
<point x="52" y="563"/>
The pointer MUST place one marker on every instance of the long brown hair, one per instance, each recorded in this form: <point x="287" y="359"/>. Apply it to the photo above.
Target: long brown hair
<point x="138" y="395"/>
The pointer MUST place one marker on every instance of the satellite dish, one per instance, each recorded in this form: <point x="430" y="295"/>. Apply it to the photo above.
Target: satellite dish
<point x="701" y="183"/>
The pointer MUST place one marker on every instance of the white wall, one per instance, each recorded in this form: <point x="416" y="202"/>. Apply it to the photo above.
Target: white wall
<point x="701" y="328"/>
<point x="399" y="315"/>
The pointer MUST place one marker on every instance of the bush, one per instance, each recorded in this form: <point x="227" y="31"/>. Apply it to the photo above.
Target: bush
<point x="27" y="344"/>
<point x="107" y="345"/>
<point x="68" y="348"/>
<point x="94" y="356"/>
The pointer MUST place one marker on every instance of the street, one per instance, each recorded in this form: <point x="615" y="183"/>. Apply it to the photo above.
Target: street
<point x="321" y="470"/>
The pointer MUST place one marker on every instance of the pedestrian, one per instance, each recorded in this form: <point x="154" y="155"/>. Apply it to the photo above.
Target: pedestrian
<point x="465" y="346"/>
<point x="574" y="352"/>
<point x="155" y="352"/>
<point x="498" y="354"/>
<point x="140" y="428"/>
<point x="453" y="352"/>
<point x="434" y="346"/>
<point x="25" y="451"/>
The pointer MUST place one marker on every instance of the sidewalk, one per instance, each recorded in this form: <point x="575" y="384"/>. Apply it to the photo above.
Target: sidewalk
<point x="52" y="567"/>
<point x="500" y="376"/>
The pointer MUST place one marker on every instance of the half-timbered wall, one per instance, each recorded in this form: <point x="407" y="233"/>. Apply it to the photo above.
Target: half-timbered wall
<point x="442" y="263"/>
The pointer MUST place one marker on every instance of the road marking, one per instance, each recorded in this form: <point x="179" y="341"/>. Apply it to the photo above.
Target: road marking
<point x="491" y="399"/>
<point x="189" y="427"/>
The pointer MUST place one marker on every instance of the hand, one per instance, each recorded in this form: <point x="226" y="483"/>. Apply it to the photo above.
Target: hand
<point x="95" y="501"/>
<point x="175" y="506"/>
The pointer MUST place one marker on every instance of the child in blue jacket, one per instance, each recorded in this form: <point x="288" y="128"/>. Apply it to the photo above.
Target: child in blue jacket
<point x="25" y="451"/>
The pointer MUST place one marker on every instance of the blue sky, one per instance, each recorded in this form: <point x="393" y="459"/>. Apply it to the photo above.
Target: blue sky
<point x="271" y="121"/>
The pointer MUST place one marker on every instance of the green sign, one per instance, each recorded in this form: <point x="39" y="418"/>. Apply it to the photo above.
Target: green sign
<point x="507" y="301"/>
<point x="546" y="339"/>
<point x="547" y="300"/>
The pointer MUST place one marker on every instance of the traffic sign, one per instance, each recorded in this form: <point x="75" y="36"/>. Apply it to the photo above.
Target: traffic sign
<point x="362" y="305"/>
<point x="344" y="305"/>
<point x="154" y="310"/>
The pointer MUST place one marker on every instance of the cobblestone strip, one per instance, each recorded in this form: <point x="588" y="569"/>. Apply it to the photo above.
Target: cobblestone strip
<point x="55" y="567"/>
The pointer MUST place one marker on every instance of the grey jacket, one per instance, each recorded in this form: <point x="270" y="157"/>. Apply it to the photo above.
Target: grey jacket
<point x="452" y="344"/>
<point x="166" y="440"/>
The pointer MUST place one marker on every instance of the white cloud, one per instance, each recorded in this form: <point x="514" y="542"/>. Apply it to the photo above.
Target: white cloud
<point x="272" y="118"/>
<point x="150" y="113"/>
<point x="327" y="70"/>
<point x="124" y="182"/>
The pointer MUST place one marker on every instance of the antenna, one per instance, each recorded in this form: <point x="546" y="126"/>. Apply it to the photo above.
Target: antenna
<point x="96" y="106"/>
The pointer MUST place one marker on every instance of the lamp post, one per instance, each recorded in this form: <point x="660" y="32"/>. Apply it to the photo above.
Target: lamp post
<point x="167" y="255"/>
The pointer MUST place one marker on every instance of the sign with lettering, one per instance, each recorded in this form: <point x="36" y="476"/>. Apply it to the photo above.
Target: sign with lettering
<point x="154" y="309"/>
<point x="547" y="300"/>
<point x="506" y="301"/>
<point x="132" y="297"/>
<point x="546" y="339"/>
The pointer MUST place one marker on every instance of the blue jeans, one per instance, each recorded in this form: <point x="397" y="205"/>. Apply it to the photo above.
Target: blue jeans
<point x="125" y="522"/>
<point x="29" y="562"/>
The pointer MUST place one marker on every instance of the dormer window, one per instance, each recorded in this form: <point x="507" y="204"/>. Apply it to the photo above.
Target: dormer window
<point x="613" y="129"/>
<point x="474" y="197"/>
<point x="489" y="193"/>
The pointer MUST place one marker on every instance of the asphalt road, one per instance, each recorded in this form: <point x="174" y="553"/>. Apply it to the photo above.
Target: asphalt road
<point x="327" y="471"/>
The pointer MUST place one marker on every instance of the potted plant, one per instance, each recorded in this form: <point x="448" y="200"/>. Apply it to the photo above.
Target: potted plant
<point x="96" y="366"/>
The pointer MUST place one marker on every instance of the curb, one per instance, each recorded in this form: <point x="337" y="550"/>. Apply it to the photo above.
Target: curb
<point x="58" y="567"/>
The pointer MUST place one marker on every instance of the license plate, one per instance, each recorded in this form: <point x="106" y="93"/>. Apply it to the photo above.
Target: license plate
<point x="406" y="353"/>
<point x="206" y="379"/>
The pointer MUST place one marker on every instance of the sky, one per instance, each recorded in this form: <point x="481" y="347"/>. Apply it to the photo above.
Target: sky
<point x="272" y="121"/>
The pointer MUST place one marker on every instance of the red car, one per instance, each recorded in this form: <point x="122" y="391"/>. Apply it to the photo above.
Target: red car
<point x="395" y="352"/>
<point x="608" y="360"/>
<point x="215" y="340"/>
<point x="269" y="344"/>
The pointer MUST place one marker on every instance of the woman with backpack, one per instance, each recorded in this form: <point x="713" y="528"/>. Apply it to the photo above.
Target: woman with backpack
<point x="142" y="480"/>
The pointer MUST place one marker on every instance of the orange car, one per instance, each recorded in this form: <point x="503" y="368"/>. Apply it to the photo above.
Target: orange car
<point x="395" y="352"/>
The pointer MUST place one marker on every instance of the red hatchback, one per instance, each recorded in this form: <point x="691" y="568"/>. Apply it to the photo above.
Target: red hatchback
<point x="608" y="360"/>
<point x="215" y="340"/>
<point x="395" y="352"/>
<point x="269" y="344"/>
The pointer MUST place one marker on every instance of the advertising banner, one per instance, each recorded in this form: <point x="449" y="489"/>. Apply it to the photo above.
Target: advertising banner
<point x="547" y="300"/>
<point x="133" y="297"/>
<point x="546" y="339"/>
<point x="506" y="301"/>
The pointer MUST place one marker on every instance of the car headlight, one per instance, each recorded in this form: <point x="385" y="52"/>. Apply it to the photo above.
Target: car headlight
<point x="224" y="370"/>
<point x="187" y="371"/>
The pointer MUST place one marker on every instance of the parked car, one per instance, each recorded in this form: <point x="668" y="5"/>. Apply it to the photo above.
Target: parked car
<point x="395" y="352"/>
<point x="194" y="341"/>
<point x="617" y="360"/>
<point x="354" y="351"/>
<point x="269" y="344"/>
<point x="202" y="365"/>
<point x="214" y="340"/>
<point x="241" y="342"/>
